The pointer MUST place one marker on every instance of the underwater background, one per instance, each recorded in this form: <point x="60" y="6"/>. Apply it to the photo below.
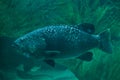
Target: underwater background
<point x="18" y="17"/>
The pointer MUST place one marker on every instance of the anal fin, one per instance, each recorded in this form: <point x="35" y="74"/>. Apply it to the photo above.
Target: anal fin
<point x="88" y="56"/>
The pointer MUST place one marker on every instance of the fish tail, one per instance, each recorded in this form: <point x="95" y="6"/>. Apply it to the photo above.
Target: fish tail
<point x="105" y="41"/>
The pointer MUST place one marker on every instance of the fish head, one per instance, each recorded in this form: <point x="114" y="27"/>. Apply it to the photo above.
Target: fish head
<point x="29" y="46"/>
<point x="24" y="46"/>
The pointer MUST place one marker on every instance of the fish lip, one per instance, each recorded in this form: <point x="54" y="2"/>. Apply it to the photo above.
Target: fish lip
<point x="14" y="45"/>
<point x="17" y="47"/>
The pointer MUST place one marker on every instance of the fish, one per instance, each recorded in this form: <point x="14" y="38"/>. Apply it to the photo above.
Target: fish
<point x="63" y="42"/>
<point x="46" y="72"/>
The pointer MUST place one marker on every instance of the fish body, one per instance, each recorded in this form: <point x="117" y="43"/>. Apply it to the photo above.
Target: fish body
<point x="61" y="42"/>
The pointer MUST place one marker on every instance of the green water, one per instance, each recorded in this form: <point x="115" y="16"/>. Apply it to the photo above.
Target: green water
<point x="18" y="17"/>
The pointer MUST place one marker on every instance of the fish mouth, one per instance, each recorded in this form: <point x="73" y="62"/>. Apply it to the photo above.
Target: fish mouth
<point x="17" y="48"/>
<point x="14" y="45"/>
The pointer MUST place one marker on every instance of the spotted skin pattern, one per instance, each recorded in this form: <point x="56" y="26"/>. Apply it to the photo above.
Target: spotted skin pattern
<point x="67" y="41"/>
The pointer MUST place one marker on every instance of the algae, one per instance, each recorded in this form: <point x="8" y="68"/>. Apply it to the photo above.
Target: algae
<point x="18" y="17"/>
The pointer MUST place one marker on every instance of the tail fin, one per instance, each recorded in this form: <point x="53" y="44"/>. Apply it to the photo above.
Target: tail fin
<point x="105" y="41"/>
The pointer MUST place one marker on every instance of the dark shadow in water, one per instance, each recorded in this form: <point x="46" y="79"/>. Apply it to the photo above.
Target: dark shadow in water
<point x="9" y="58"/>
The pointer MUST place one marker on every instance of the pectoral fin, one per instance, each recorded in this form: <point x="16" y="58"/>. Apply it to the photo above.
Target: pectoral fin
<point x="51" y="53"/>
<point x="88" y="56"/>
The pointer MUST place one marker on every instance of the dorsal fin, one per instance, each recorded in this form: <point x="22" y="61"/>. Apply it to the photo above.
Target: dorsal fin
<point x="86" y="27"/>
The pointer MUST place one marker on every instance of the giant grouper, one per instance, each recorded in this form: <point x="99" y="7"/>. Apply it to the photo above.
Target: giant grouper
<point x="63" y="42"/>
